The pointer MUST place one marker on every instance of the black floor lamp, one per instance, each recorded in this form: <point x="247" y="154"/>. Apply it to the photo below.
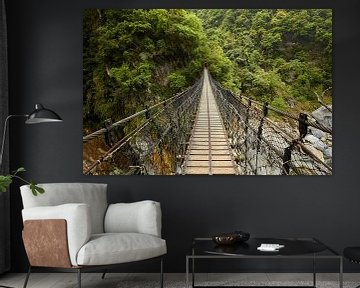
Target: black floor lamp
<point x="39" y="115"/>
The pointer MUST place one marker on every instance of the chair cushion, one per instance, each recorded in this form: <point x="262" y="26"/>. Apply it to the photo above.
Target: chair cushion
<point x="114" y="248"/>
<point x="92" y="194"/>
<point x="352" y="253"/>
<point x="137" y="217"/>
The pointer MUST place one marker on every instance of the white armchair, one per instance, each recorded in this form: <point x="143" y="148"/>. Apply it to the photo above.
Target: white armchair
<point x="72" y="228"/>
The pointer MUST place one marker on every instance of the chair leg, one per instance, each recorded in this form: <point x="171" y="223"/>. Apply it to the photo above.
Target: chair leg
<point x="79" y="277"/>
<point x="161" y="273"/>
<point x="27" y="277"/>
<point x="103" y="275"/>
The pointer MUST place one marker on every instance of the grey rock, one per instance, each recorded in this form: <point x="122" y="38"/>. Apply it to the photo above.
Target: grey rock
<point x="328" y="161"/>
<point x="311" y="138"/>
<point x="317" y="132"/>
<point x="323" y="116"/>
<point x="316" y="142"/>
<point x="328" y="152"/>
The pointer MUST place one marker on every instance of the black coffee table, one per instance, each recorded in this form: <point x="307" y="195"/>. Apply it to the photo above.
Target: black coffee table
<point x="294" y="248"/>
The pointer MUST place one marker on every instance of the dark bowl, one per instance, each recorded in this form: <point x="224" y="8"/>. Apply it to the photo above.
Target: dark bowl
<point x="231" y="238"/>
<point x="225" y="239"/>
<point x="241" y="236"/>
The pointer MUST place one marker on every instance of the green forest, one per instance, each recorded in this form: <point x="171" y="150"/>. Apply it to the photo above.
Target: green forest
<point x="133" y="58"/>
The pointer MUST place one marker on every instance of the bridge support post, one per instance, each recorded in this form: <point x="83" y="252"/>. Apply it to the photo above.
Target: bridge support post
<point x="246" y="129"/>
<point x="259" y="133"/>
<point x="303" y="125"/>
<point x="287" y="159"/>
<point x="110" y="137"/>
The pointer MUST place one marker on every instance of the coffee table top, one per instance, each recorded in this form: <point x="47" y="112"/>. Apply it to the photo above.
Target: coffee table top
<point x="292" y="247"/>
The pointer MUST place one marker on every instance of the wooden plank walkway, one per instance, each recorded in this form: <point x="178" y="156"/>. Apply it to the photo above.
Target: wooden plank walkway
<point x="209" y="151"/>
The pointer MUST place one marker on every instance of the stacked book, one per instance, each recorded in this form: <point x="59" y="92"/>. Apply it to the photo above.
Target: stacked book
<point x="270" y="247"/>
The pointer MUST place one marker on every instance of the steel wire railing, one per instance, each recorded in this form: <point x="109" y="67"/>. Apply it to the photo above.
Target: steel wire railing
<point x="153" y="140"/>
<point x="260" y="146"/>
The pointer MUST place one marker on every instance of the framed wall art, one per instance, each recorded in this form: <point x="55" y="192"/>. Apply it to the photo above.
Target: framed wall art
<point x="207" y="91"/>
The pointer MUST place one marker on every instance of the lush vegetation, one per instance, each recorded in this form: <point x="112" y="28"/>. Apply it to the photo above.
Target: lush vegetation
<point x="280" y="56"/>
<point x="134" y="58"/>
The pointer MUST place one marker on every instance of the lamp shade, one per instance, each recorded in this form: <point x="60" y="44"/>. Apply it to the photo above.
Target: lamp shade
<point x="42" y="115"/>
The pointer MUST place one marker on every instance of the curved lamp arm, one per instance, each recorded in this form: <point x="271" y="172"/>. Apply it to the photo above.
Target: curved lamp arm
<point x="39" y="115"/>
<point x="4" y="134"/>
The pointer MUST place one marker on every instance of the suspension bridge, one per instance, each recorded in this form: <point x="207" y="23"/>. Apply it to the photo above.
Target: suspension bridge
<point x="209" y="130"/>
<point x="209" y="151"/>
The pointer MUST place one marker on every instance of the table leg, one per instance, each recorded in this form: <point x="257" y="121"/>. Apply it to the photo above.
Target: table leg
<point x="314" y="271"/>
<point x="187" y="272"/>
<point x="193" y="272"/>
<point x="341" y="273"/>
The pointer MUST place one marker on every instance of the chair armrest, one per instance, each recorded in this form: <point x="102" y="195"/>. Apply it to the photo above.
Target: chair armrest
<point x="138" y="217"/>
<point x="78" y="223"/>
<point x="52" y="250"/>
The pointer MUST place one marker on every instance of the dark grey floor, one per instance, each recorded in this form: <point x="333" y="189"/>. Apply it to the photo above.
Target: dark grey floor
<point x="121" y="280"/>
